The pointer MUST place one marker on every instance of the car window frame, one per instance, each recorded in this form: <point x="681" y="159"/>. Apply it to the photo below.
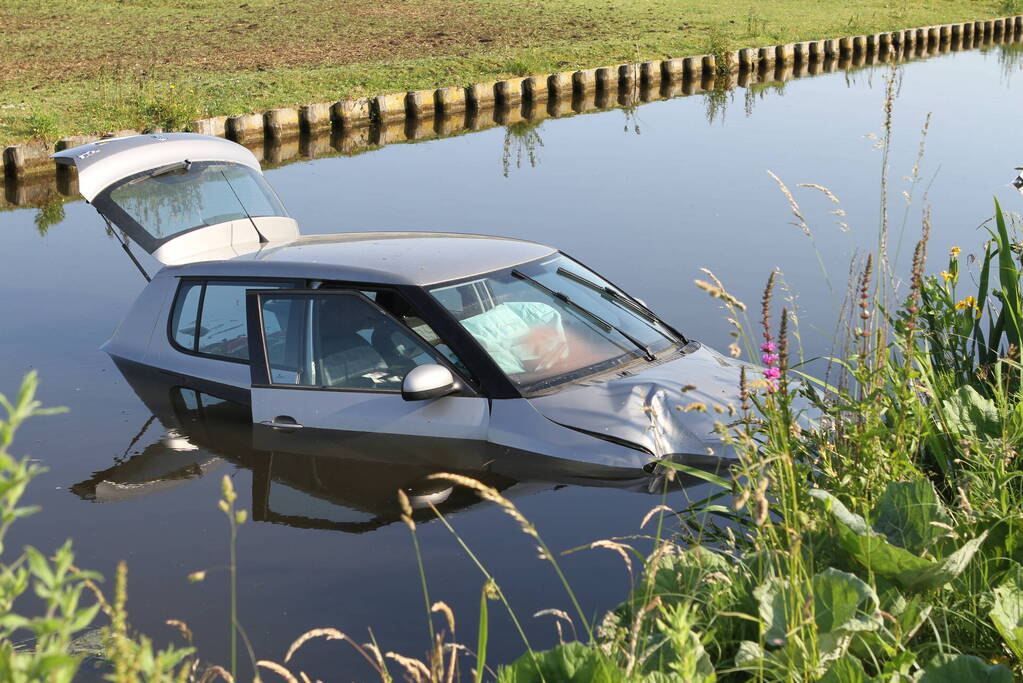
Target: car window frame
<point x="186" y="281"/>
<point x="260" y="371"/>
<point x="414" y="303"/>
<point x="138" y="232"/>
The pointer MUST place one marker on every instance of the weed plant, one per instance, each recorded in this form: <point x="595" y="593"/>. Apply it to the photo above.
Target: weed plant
<point x="50" y="642"/>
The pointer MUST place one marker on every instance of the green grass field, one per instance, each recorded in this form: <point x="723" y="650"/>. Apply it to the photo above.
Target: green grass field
<point x="88" y="66"/>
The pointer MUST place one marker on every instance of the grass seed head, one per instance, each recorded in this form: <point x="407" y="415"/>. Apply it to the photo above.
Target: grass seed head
<point x="490" y="495"/>
<point x="406" y="510"/>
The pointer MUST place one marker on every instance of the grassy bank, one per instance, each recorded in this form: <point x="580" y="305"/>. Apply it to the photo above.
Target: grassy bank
<point x="96" y="65"/>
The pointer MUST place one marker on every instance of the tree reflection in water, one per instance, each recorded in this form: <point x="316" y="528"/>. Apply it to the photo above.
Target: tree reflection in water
<point x="521" y="142"/>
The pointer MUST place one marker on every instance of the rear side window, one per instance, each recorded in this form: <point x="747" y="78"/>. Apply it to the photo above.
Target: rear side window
<point x="209" y="318"/>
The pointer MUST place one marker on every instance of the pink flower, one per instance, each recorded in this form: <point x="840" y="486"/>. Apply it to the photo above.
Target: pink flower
<point x="769" y="358"/>
<point x="772" y="373"/>
<point x="771" y="387"/>
<point x="768" y="347"/>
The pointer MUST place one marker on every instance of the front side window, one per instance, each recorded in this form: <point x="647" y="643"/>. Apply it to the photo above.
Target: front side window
<point x="209" y="318"/>
<point x="158" y="205"/>
<point x="337" y="339"/>
<point x="399" y="307"/>
<point x="554" y="320"/>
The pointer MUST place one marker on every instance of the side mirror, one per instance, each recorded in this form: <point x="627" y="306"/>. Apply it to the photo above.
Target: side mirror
<point x="427" y="381"/>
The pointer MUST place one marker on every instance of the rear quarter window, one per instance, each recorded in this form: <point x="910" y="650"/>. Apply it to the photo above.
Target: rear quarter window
<point x="209" y="319"/>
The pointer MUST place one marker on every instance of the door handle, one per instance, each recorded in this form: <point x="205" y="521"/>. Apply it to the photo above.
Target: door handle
<point x="282" y="424"/>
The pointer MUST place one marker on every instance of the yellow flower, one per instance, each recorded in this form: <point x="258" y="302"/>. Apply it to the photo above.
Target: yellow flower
<point x="946" y="275"/>
<point x="968" y="302"/>
<point x="172" y="85"/>
<point x="954" y="252"/>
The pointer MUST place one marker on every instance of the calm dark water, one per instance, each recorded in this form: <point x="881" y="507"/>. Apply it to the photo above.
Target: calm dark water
<point x="646" y="198"/>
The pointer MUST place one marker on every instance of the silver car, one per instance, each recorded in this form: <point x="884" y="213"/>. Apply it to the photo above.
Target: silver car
<point x="481" y="339"/>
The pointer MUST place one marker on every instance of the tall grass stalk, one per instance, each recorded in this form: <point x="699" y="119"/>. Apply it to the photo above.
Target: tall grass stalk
<point x="491" y="582"/>
<point x="235" y="519"/>
<point x="406" y="517"/>
<point x="493" y="496"/>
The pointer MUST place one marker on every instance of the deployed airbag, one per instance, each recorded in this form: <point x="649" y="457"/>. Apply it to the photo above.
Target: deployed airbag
<point x="517" y="334"/>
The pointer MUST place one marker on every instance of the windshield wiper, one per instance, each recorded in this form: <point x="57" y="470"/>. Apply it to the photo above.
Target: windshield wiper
<point x="626" y="301"/>
<point x="605" y="325"/>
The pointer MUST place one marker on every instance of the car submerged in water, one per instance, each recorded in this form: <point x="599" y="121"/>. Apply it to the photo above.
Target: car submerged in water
<point x="486" y="341"/>
<point x="349" y="485"/>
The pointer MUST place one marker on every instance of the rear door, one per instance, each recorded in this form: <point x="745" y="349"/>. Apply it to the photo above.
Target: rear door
<point x="181" y="197"/>
<point x="329" y="361"/>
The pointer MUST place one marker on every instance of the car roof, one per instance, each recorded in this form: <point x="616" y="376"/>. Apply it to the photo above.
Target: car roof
<point x="407" y="258"/>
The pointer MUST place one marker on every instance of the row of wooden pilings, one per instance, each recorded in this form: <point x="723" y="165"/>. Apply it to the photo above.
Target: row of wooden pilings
<point x="609" y="84"/>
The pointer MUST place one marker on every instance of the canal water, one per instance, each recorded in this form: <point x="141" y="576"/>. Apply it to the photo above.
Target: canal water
<point x="647" y="196"/>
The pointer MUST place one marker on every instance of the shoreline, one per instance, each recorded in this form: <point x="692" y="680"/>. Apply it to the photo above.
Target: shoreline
<point x="353" y="126"/>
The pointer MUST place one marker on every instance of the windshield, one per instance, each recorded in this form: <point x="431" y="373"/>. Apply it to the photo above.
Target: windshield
<point x="552" y="321"/>
<point x="160" y="204"/>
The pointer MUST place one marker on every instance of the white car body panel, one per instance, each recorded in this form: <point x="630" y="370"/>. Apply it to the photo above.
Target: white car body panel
<point x="517" y="424"/>
<point x="654" y="406"/>
<point x="451" y="417"/>
<point x="232" y="239"/>
<point x="104" y="162"/>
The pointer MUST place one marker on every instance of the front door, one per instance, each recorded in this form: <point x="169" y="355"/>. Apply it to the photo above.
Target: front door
<point x="329" y="361"/>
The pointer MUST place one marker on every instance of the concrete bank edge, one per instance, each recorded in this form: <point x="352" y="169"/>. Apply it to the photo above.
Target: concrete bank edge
<point x="284" y="123"/>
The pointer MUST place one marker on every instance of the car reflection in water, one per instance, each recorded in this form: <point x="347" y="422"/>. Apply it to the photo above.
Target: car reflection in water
<point x="344" y="481"/>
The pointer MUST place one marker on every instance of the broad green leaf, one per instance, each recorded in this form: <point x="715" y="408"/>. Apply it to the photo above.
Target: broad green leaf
<point x="682" y="576"/>
<point x="843" y="605"/>
<point x="847" y="669"/>
<point x="55" y="664"/>
<point x="912" y="617"/>
<point x="83" y="618"/>
<point x="39" y="566"/>
<point x="170" y="658"/>
<point x="13" y="621"/>
<point x="770" y="597"/>
<point x="840" y="512"/>
<point x="1007" y="611"/>
<point x="874" y="552"/>
<point x="843" y="602"/>
<point x="907" y="513"/>
<point x="967" y="413"/>
<point x="570" y="662"/>
<point x="663" y="677"/>
<point x="869" y="548"/>
<point x="1009" y="279"/>
<point x="943" y="571"/>
<point x="748" y="653"/>
<point x="961" y="668"/>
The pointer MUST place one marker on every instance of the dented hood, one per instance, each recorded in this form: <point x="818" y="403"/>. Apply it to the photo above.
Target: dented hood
<point x="665" y="407"/>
